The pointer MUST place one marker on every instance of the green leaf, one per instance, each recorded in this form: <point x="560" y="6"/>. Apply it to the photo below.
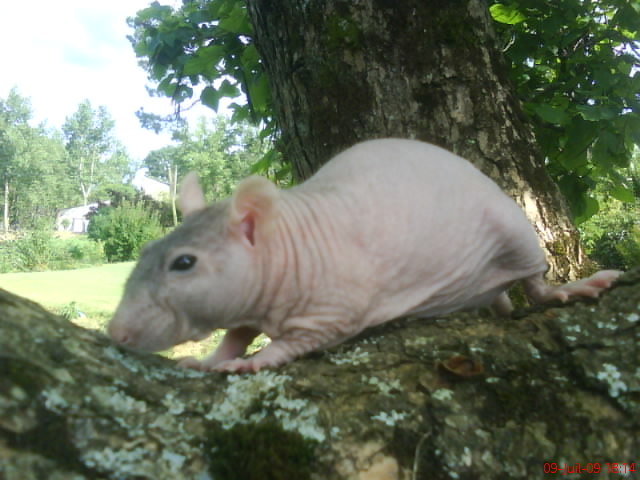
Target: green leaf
<point x="575" y="189"/>
<point x="551" y="114"/>
<point x="284" y="172"/>
<point x="611" y="141"/>
<point x="588" y="112"/>
<point x="220" y="8"/>
<point x="182" y="93"/>
<point x="506" y="14"/>
<point x="205" y="61"/>
<point x="167" y="86"/>
<point x="241" y="113"/>
<point x="598" y="112"/>
<point x="226" y="89"/>
<point x="260" y="95"/>
<point x="262" y="165"/>
<point x="622" y="193"/>
<point x="574" y="160"/>
<point x="210" y="97"/>
<point x="633" y="128"/>
<point x="590" y="208"/>
<point x="250" y="57"/>
<point x="579" y="137"/>
<point x="237" y="21"/>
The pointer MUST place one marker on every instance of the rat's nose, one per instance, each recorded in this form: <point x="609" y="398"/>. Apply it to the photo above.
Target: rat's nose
<point x="119" y="332"/>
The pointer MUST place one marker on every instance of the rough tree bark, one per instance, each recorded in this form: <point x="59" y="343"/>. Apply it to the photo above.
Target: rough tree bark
<point x="343" y="71"/>
<point x="461" y="397"/>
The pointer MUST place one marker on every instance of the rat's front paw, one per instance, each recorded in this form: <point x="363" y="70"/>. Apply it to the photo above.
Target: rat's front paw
<point x="237" y="365"/>
<point x="242" y="365"/>
<point x="191" y="362"/>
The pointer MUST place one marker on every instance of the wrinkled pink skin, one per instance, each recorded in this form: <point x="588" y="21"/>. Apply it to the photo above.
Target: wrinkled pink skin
<point x="387" y="228"/>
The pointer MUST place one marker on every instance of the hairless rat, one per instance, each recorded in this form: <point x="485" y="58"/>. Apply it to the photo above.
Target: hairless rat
<point x="387" y="228"/>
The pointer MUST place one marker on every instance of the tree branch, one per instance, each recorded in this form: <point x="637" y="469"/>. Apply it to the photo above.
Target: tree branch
<point x="464" y="395"/>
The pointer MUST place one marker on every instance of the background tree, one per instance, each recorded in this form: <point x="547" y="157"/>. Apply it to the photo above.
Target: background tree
<point x="164" y="163"/>
<point x="94" y="155"/>
<point x="612" y="236"/>
<point x="341" y="72"/>
<point x="15" y="135"/>
<point x="221" y="151"/>
<point x="32" y="167"/>
<point x="43" y="187"/>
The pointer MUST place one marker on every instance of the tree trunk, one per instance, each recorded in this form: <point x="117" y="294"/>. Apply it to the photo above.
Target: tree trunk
<point x="85" y="194"/>
<point x="5" y="216"/>
<point x="460" y="397"/>
<point x="344" y="71"/>
<point x="173" y="185"/>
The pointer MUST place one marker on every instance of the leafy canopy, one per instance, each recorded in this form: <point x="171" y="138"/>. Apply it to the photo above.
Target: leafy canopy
<point x="574" y="64"/>
<point x="220" y="151"/>
<point x="203" y="51"/>
<point x="94" y="156"/>
<point x="32" y="173"/>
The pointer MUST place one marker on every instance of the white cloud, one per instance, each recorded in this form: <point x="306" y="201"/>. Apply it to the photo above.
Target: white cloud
<point x="60" y="53"/>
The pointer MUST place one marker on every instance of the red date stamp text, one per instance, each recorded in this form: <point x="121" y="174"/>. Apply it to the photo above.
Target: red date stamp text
<point x="595" y="468"/>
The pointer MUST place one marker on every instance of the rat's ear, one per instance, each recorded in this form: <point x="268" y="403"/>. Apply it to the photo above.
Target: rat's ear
<point x="253" y="207"/>
<point x="191" y="198"/>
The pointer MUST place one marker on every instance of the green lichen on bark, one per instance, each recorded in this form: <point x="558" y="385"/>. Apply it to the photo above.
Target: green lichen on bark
<point x="555" y="384"/>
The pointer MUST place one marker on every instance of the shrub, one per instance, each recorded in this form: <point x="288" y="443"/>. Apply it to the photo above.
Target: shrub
<point x="34" y="250"/>
<point x="76" y="252"/>
<point x="124" y="230"/>
<point x="83" y="250"/>
<point x="8" y="256"/>
<point x="612" y="236"/>
<point x="40" y="250"/>
<point x="629" y="248"/>
<point x="70" y="311"/>
<point x="124" y="194"/>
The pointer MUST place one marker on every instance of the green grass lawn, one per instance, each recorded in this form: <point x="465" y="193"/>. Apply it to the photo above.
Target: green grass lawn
<point x="96" y="291"/>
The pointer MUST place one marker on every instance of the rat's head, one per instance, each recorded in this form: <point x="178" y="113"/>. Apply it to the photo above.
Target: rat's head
<point x="200" y="276"/>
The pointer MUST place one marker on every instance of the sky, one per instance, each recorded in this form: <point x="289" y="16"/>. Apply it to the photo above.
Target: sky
<point x="62" y="52"/>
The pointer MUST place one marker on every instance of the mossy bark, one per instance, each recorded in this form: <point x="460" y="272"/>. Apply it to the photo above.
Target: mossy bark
<point x="465" y="396"/>
<point x="343" y="71"/>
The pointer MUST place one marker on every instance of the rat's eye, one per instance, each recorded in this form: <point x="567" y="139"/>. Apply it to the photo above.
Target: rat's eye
<point x="183" y="262"/>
